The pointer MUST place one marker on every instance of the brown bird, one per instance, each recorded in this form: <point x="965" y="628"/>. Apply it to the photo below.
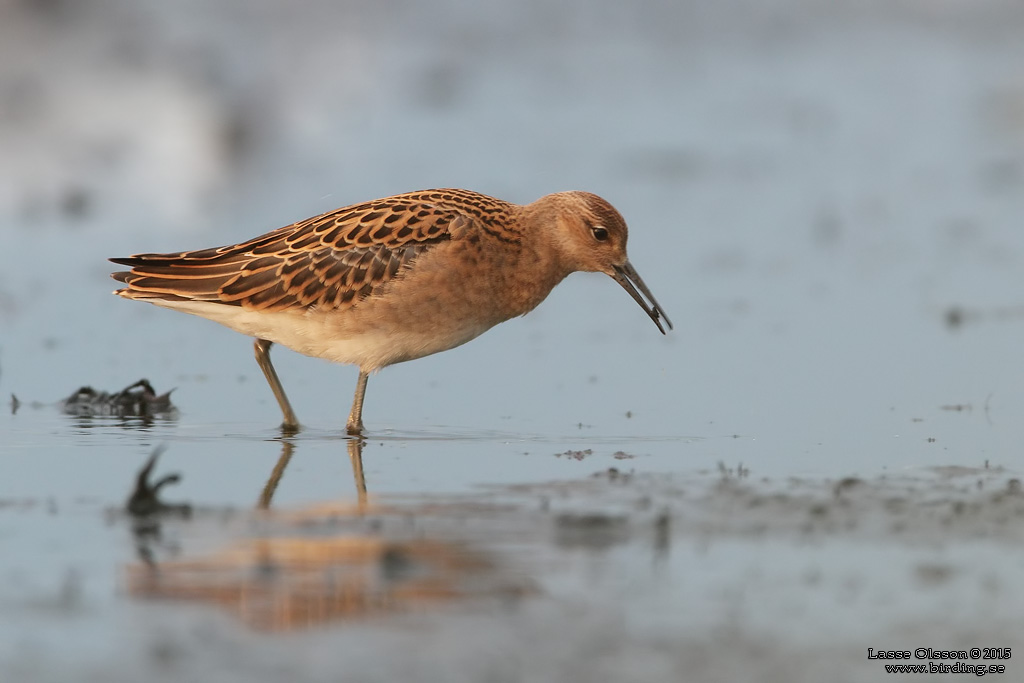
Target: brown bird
<point x="393" y="279"/>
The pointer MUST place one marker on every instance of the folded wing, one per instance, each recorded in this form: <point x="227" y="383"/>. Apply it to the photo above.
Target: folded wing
<point x="329" y="261"/>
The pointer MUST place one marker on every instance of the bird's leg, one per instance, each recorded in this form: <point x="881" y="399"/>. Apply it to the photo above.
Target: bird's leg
<point x="291" y="423"/>
<point x="355" y="452"/>
<point x="355" y="418"/>
<point x="287" y="449"/>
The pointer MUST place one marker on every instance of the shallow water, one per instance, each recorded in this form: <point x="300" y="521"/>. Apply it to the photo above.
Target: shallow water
<point x="825" y="201"/>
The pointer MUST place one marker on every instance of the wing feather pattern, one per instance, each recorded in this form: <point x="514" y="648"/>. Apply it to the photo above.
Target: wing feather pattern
<point x="329" y="261"/>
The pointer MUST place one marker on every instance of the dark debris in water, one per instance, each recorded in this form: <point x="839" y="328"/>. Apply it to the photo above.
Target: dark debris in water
<point x="145" y="499"/>
<point x="958" y="316"/>
<point x="147" y="510"/>
<point x="136" y="400"/>
<point x="740" y="472"/>
<point x="846" y="484"/>
<point x="594" y="531"/>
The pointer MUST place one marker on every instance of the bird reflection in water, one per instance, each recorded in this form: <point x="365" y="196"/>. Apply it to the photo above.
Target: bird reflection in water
<point x="355" y="454"/>
<point x="324" y="563"/>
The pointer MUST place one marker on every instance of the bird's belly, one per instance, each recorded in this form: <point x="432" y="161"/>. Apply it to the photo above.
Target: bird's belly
<point x="376" y="349"/>
<point x="365" y="338"/>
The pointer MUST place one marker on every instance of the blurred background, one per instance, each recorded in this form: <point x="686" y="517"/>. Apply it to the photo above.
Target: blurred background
<point x="826" y="198"/>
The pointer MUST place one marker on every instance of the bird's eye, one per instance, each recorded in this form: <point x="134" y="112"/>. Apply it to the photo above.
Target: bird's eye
<point x="600" y="233"/>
